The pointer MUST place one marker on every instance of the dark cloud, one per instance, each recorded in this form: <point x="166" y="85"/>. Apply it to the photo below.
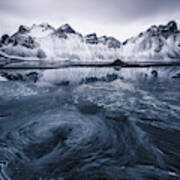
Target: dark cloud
<point x="115" y="10"/>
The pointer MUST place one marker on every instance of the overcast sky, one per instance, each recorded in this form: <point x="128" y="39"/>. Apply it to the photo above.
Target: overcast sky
<point x="119" y="18"/>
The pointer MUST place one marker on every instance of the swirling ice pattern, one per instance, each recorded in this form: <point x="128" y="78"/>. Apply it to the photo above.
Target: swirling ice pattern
<point x="75" y="146"/>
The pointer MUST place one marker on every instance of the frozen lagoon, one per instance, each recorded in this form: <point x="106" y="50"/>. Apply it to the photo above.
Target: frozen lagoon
<point x="90" y="123"/>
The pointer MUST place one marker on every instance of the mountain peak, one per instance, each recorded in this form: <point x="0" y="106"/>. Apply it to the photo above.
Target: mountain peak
<point x="164" y="30"/>
<point x="111" y="42"/>
<point x="172" y="26"/>
<point x="91" y="38"/>
<point x="160" y="41"/>
<point x="66" y="28"/>
<point x="44" y="26"/>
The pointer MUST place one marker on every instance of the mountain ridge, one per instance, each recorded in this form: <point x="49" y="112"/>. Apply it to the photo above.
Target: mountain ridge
<point x="44" y="41"/>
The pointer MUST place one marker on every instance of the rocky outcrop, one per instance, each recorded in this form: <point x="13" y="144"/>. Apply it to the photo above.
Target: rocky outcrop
<point x="31" y="77"/>
<point x="5" y="39"/>
<point x="24" y="29"/>
<point x="165" y="31"/>
<point x="91" y="39"/>
<point x="111" y="42"/>
<point x="177" y="76"/>
<point x="65" y="29"/>
<point x="26" y="41"/>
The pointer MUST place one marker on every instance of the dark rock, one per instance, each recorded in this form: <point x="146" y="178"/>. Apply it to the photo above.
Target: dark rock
<point x="160" y="45"/>
<point x="153" y="31"/>
<point x="177" y="76"/>
<point x="41" y="54"/>
<point x="91" y="79"/>
<point x="61" y="35"/>
<point x="13" y="77"/>
<point x="113" y="43"/>
<point x="65" y="29"/>
<point x="26" y="41"/>
<point x="33" y="76"/>
<point x="169" y="29"/>
<point x="107" y="78"/>
<point x="46" y="26"/>
<point x="111" y="77"/>
<point x="154" y="73"/>
<point x="164" y="30"/>
<point x="118" y="62"/>
<point x="24" y="29"/>
<point x="140" y="35"/>
<point x="5" y="39"/>
<point x="91" y="38"/>
<point x="125" y="42"/>
<point x="109" y="41"/>
<point x="63" y="83"/>
<point x="172" y="27"/>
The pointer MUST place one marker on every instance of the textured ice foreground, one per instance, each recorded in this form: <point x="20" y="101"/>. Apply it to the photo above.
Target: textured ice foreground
<point x="102" y="127"/>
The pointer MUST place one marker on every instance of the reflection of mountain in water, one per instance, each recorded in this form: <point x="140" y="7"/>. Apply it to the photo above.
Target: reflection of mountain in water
<point x="72" y="72"/>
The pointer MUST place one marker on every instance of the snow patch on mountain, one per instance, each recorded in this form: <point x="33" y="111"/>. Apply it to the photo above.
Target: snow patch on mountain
<point x="23" y="52"/>
<point x="75" y="48"/>
<point x="40" y="31"/>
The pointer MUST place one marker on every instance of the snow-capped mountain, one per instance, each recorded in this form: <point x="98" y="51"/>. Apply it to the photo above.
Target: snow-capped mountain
<point x="45" y="42"/>
<point x="158" y="42"/>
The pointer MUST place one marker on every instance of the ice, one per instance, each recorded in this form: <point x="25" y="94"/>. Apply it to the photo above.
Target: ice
<point x="22" y="52"/>
<point x="75" y="76"/>
<point x="2" y="79"/>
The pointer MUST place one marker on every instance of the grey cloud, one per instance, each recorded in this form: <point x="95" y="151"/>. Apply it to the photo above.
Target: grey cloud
<point x="105" y="12"/>
<point x="114" y="10"/>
